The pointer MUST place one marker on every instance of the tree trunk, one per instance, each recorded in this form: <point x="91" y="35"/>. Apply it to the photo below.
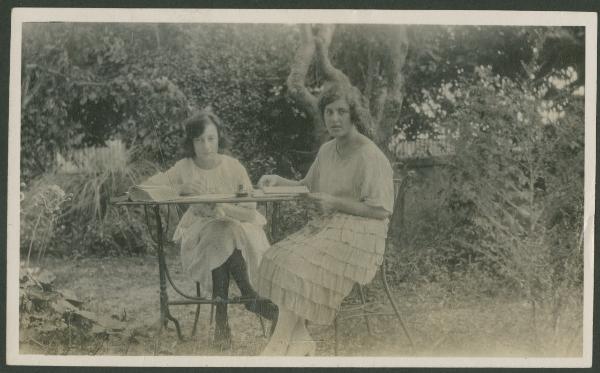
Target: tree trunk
<point x="388" y="95"/>
<point x="296" y="85"/>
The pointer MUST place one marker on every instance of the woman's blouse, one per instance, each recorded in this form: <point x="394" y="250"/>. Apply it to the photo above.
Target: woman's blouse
<point x="364" y="175"/>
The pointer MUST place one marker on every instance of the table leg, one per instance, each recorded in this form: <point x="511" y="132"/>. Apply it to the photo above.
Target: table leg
<point x="197" y="315"/>
<point x="165" y="314"/>
<point x="274" y="220"/>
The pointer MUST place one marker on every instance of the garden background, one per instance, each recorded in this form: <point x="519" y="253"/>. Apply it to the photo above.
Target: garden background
<point x="485" y="123"/>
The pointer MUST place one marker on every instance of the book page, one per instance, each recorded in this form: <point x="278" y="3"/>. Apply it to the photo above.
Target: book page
<point x="301" y="189"/>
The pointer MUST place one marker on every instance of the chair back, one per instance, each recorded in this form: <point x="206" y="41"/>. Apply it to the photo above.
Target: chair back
<point x="399" y="190"/>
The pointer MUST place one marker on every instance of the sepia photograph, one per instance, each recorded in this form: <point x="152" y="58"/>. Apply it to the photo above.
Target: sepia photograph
<point x="301" y="188"/>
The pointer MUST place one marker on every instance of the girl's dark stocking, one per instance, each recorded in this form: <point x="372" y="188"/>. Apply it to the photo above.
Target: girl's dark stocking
<point x="220" y="278"/>
<point x="239" y="272"/>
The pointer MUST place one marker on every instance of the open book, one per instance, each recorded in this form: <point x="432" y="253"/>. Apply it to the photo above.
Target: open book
<point x="152" y="193"/>
<point x="300" y="189"/>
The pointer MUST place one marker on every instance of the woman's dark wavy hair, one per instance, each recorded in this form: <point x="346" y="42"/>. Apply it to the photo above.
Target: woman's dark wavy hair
<point x="194" y="127"/>
<point x="359" y="112"/>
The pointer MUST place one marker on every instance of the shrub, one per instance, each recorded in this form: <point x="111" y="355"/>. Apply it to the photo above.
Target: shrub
<point x="519" y="159"/>
<point x="41" y="208"/>
<point x="87" y="83"/>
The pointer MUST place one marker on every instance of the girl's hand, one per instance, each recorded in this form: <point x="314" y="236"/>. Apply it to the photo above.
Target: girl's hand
<point x="269" y="180"/>
<point x="323" y="201"/>
<point x="207" y="210"/>
<point x="219" y="211"/>
<point x="188" y="189"/>
<point x="236" y="212"/>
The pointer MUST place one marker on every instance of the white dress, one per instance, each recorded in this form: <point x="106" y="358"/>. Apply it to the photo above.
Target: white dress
<point x="207" y="241"/>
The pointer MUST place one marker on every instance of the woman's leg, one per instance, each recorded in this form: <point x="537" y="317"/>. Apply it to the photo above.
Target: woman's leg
<point x="239" y="272"/>
<point x="282" y="335"/>
<point x="220" y="278"/>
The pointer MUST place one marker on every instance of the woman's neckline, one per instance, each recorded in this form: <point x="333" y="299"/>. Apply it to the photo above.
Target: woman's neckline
<point x="219" y="162"/>
<point x="360" y="142"/>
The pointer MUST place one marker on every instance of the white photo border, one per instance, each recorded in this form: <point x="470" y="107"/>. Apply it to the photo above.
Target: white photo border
<point x="423" y="17"/>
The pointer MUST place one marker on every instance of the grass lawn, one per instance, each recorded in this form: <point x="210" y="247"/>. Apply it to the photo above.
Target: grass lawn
<point x="441" y="324"/>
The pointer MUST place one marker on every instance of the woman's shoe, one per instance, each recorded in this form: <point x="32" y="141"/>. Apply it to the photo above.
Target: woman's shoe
<point x="273" y="348"/>
<point x="302" y="348"/>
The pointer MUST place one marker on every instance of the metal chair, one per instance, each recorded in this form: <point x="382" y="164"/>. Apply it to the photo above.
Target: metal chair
<point x="362" y="310"/>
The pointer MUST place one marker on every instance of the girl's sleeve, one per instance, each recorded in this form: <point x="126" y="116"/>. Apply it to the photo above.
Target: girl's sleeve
<point x="170" y="177"/>
<point x="377" y="184"/>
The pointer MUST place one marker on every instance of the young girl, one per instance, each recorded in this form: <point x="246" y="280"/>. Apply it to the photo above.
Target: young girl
<point x="217" y="240"/>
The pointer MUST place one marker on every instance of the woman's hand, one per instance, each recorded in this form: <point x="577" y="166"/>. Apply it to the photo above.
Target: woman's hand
<point x="269" y="180"/>
<point x="326" y="203"/>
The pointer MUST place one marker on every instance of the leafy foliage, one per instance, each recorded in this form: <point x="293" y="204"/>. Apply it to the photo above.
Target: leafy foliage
<point x="442" y="54"/>
<point x="85" y="84"/>
<point x="57" y="321"/>
<point x="510" y="162"/>
<point x="516" y="180"/>
<point x="41" y="208"/>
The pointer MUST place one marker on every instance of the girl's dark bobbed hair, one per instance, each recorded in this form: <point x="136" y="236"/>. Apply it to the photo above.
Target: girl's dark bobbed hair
<point x="194" y="127"/>
<point x="359" y="112"/>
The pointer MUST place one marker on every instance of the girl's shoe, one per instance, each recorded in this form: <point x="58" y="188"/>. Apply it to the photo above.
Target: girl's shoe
<point x="302" y="348"/>
<point x="222" y="339"/>
<point x="263" y="307"/>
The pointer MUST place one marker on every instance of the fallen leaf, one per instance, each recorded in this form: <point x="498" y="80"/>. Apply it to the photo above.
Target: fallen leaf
<point x="63" y="306"/>
<point x="71" y="298"/>
<point x="110" y="323"/>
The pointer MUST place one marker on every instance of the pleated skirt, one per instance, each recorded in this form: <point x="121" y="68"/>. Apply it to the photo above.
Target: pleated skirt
<point x="313" y="270"/>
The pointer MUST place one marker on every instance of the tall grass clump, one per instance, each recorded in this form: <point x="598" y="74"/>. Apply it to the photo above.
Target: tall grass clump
<point x="88" y="222"/>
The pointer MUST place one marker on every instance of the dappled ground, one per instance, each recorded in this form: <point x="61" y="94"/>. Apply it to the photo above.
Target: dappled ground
<point x="441" y="324"/>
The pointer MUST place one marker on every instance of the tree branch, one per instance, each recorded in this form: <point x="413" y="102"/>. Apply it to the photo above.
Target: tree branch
<point x="323" y="39"/>
<point x="296" y="80"/>
<point x="296" y="83"/>
<point x="390" y="95"/>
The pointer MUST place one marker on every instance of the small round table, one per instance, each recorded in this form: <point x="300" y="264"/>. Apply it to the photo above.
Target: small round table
<point x="164" y="275"/>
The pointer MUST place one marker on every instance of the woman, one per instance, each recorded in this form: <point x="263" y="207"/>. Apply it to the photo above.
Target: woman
<point x="217" y="240"/>
<point x="309" y="273"/>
